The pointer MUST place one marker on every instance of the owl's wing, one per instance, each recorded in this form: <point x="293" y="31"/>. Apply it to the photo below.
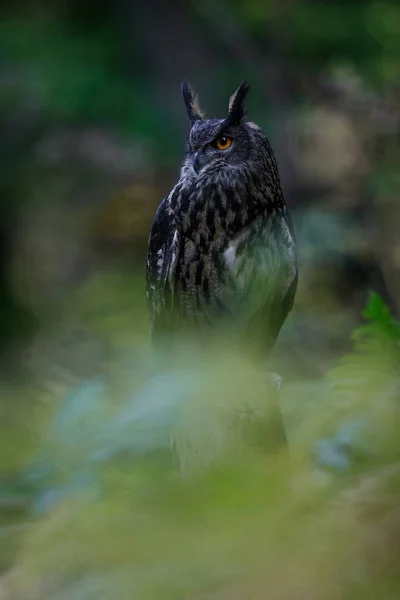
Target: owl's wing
<point x="293" y="275"/>
<point x="162" y="257"/>
<point x="263" y="268"/>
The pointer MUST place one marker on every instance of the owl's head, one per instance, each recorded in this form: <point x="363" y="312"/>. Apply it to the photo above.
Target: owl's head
<point x="221" y="145"/>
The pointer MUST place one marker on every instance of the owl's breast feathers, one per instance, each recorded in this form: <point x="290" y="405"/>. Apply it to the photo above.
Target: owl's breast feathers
<point x="222" y="255"/>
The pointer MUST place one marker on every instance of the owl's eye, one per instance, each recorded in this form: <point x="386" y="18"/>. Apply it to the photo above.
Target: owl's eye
<point x="223" y="142"/>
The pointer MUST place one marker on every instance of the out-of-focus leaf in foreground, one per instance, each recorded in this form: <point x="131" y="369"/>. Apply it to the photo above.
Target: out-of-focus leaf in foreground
<point x="191" y="416"/>
<point x="192" y="502"/>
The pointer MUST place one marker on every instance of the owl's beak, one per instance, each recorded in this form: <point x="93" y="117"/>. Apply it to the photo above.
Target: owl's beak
<point x="197" y="162"/>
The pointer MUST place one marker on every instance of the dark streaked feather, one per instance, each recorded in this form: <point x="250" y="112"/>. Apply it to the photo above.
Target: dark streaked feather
<point x="263" y="282"/>
<point x="163" y="252"/>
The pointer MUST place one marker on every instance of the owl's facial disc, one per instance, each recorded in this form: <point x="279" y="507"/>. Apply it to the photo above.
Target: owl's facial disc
<point x="212" y="152"/>
<point x="217" y="144"/>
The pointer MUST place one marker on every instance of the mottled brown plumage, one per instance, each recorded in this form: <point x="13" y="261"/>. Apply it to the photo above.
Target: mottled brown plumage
<point x="222" y="255"/>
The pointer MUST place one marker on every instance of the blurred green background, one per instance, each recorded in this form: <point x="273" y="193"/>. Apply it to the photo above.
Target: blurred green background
<point x="92" y="131"/>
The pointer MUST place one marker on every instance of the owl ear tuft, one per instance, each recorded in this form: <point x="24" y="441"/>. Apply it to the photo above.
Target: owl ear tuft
<point x="192" y="103"/>
<point x="236" y="103"/>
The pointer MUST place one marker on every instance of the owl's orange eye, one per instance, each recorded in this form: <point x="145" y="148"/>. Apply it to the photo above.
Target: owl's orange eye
<point x="223" y="142"/>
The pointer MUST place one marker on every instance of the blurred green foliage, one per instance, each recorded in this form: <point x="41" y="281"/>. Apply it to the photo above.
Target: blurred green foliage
<point x="72" y="75"/>
<point x="74" y="72"/>
<point x="365" y="34"/>
<point x="118" y="510"/>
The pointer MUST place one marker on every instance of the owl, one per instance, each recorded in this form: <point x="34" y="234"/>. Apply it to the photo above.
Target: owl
<point x="222" y="256"/>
